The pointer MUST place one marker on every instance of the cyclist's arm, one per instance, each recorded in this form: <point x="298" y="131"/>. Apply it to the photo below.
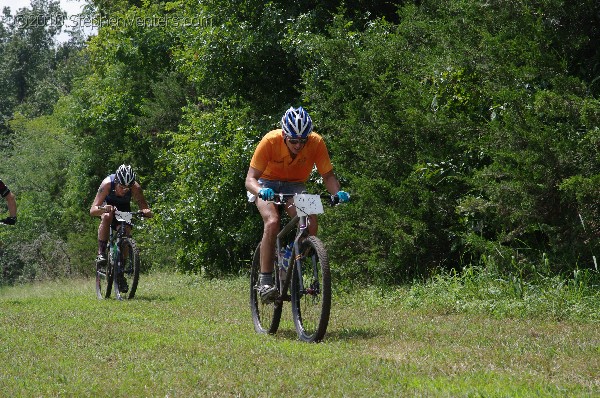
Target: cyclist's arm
<point x="138" y="194"/>
<point x="10" y="199"/>
<point x="331" y="182"/>
<point x="103" y="191"/>
<point x="252" y="177"/>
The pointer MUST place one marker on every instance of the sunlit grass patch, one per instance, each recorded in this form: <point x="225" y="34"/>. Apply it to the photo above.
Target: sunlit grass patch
<point x="185" y="335"/>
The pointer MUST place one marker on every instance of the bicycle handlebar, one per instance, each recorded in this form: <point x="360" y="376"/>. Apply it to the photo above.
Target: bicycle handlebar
<point x="138" y="213"/>
<point x="333" y="199"/>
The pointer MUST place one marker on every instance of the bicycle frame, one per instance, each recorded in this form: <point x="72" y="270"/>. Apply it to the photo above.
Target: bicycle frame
<point x="116" y="235"/>
<point x="302" y="224"/>
<point x="123" y="259"/>
<point x="305" y="205"/>
<point x="307" y="283"/>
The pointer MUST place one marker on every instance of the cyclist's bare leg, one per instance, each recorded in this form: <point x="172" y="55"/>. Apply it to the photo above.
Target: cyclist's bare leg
<point x="270" y="216"/>
<point x="313" y="226"/>
<point x="103" y="230"/>
<point x="126" y="248"/>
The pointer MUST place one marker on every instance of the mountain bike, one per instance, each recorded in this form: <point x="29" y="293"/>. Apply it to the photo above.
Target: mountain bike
<point x="307" y="277"/>
<point x="123" y="260"/>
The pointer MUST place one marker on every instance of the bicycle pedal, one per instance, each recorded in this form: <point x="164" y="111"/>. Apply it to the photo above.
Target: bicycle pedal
<point x="287" y="297"/>
<point x="269" y="300"/>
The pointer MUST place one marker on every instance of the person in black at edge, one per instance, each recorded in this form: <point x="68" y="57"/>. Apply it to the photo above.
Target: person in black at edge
<point x="11" y="203"/>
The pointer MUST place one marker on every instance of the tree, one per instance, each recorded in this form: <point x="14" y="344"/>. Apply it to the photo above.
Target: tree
<point x="38" y="170"/>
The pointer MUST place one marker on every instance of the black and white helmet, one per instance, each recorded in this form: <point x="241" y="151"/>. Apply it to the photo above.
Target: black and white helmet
<point x="296" y="123"/>
<point x="125" y="175"/>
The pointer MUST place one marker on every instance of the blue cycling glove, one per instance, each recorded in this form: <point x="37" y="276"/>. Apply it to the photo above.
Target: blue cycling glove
<point x="344" y="196"/>
<point x="266" y="194"/>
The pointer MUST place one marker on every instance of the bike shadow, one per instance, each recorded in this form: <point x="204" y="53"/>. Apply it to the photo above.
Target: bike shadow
<point x="346" y="334"/>
<point x="350" y="334"/>
<point x="154" y="298"/>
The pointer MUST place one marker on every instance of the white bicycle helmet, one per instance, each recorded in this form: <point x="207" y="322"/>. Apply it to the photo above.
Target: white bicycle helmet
<point x="296" y="123"/>
<point x="125" y="175"/>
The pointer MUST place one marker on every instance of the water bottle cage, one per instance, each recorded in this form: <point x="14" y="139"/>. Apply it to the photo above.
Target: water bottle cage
<point x="287" y="255"/>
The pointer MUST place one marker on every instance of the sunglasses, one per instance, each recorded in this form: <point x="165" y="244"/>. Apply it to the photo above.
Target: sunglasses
<point x="296" y="141"/>
<point x="124" y="187"/>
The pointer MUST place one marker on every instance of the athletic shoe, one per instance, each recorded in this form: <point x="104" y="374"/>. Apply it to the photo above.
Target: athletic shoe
<point x="101" y="260"/>
<point x="268" y="293"/>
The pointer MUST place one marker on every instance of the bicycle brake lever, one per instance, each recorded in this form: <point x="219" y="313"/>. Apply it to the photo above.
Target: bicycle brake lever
<point x="334" y="200"/>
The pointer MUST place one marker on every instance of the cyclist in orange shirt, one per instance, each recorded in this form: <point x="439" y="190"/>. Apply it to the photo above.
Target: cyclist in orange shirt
<point x="282" y="163"/>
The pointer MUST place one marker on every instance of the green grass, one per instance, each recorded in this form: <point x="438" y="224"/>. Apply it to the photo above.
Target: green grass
<point x="186" y="336"/>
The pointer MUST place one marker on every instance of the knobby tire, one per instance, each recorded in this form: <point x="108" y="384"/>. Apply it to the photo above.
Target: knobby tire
<point x="104" y="280"/>
<point x="266" y="317"/>
<point x="129" y="265"/>
<point x="311" y="291"/>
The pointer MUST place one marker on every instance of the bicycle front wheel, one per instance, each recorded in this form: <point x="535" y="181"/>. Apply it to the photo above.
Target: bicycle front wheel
<point x="311" y="290"/>
<point x="127" y="269"/>
<point x="266" y="316"/>
<point x="104" y="280"/>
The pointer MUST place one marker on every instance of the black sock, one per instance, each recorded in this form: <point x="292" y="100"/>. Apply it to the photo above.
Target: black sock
<point x="101" y="246"/>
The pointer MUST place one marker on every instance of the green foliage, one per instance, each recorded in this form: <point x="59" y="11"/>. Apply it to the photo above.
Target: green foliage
<point x="130" y="77"/>
<point x="479" y="290"/>
<point x="467" y="119"/>
<point x="27" y="60"/>
<point x="393" y="148"/>
<point x="235" y="51"/>
<point x="466" y="132"/>
<point x="37" y="172"/>
<point x="535" y="146"/>
<point x="452" y="336"/>
<point x="203" y="211"/>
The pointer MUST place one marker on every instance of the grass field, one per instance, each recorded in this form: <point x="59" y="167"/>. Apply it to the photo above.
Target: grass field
<point x="187" y="336"/>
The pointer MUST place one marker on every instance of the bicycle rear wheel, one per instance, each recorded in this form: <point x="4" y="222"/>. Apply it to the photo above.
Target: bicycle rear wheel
<point x="104" y="280"/>
<point x="127" y="269"/>
<point x="266" y="317"/>
<point x="311" y="291"/>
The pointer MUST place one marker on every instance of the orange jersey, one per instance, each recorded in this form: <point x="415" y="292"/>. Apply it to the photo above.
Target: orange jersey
<point x="273" y="158"/>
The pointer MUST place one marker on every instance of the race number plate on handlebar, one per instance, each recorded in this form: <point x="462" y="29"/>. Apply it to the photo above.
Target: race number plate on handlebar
<point x="308" y="204"/>
<point x="123" y="216"/>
